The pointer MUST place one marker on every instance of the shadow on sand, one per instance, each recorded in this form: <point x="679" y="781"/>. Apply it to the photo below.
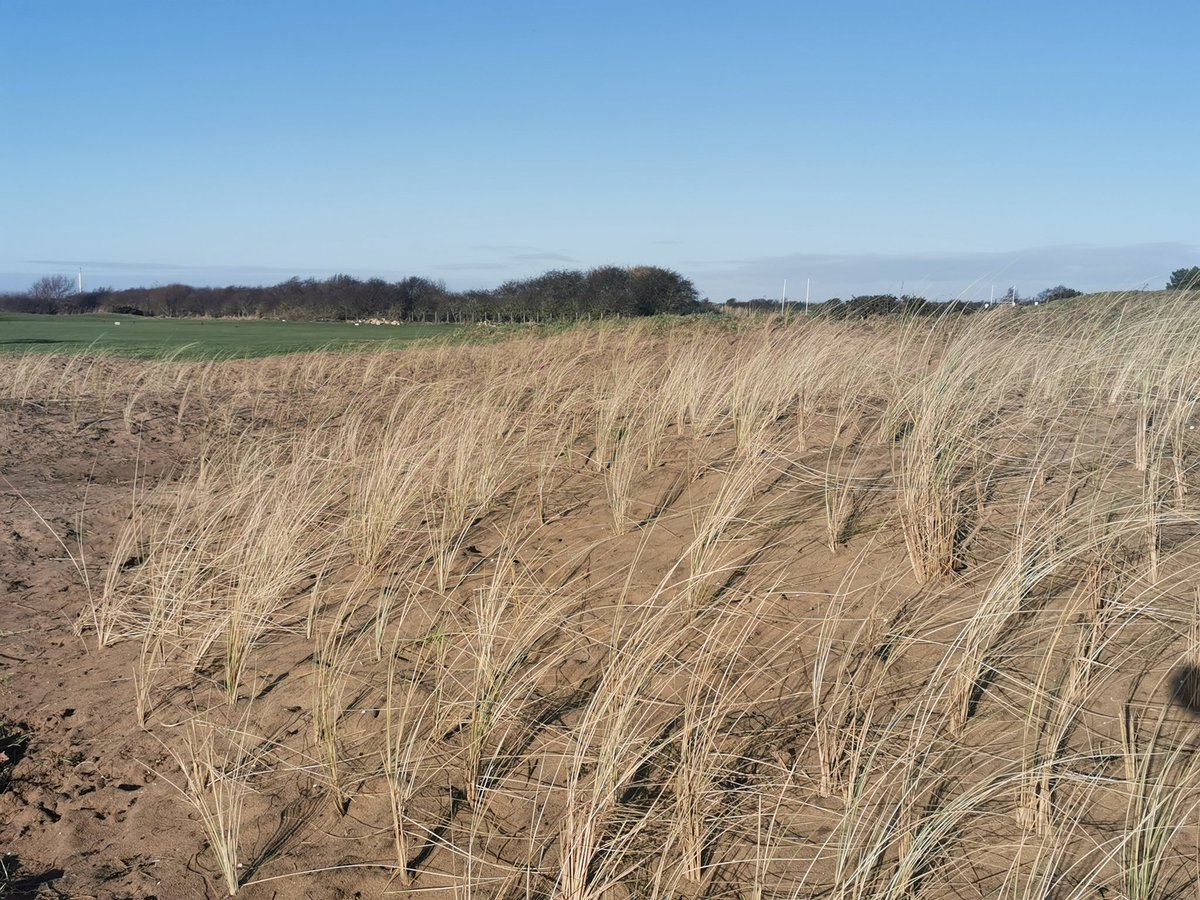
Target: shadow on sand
<point x="1185" y="688"/>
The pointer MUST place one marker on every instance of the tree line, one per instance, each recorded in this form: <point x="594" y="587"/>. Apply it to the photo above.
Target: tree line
<point x="605" y="291"/>
<point x="865" y="306"/>
<point x="559" y="294"/>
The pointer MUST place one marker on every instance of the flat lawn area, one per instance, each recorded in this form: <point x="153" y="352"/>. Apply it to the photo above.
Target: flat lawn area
<point x="197" y="338"/>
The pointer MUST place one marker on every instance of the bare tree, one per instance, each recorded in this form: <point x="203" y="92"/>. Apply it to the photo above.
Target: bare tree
<point x="53" y="287"/>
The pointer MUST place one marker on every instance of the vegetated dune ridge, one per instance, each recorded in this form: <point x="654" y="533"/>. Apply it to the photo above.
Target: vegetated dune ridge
<point x="773" y="610"/>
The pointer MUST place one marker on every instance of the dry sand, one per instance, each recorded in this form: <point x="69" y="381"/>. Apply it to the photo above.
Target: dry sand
<point x="90" y="804"/>
<point x="83" y="814"/>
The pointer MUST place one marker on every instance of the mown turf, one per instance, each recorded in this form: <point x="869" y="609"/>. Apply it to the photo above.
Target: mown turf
<point x="145" y="337"/>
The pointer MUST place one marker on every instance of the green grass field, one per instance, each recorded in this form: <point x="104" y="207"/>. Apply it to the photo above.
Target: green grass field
<point x="198" y="338"/>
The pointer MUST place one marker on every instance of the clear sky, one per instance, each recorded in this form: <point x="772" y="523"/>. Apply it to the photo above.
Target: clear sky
<point x="934" y="147"/>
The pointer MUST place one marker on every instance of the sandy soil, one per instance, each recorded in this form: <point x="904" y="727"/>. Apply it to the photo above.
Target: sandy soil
<point x="82" y="812"/>
<point x="89" y="803"/>
<point x="89" y="807"/>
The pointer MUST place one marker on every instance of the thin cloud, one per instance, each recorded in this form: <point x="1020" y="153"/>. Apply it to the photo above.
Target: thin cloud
<point x="542" y="257"/>
<point x="504" y="248"/>
<point x="472" y="267"/>
<point x="157" y="267"/>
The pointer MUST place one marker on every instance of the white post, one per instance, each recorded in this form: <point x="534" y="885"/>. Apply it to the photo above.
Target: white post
<point x="783" y="299"/>
<point x="807" y="289"/>
<point x="80" y="283"/>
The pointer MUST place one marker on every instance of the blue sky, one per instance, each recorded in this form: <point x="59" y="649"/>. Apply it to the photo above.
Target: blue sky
<point x="937" y="147"/>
